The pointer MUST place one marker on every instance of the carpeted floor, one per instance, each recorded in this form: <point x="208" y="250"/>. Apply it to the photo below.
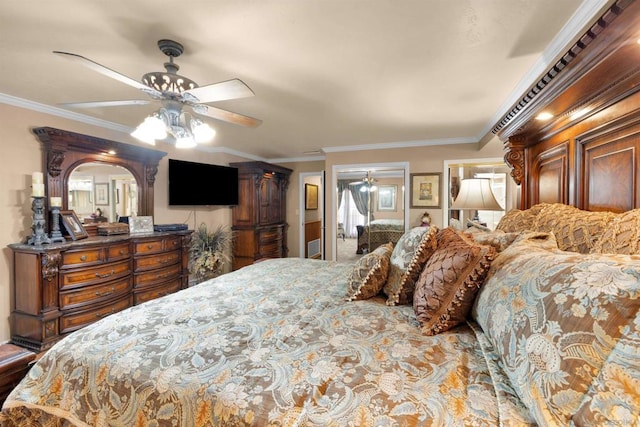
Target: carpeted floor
<point x="347" y="250"/>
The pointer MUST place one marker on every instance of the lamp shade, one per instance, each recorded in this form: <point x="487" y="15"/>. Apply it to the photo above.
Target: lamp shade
<point x="476" y="193"/>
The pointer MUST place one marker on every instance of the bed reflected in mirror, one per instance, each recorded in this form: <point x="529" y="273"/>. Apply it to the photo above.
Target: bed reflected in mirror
<point x="370" y="210"/>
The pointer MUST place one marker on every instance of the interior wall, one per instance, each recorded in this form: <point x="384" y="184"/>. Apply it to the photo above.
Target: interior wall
<point x="23" y="155"/>
<point x="421" y="160"/>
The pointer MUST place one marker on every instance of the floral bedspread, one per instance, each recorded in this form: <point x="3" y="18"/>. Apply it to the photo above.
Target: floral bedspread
<point x="273" y="344"/>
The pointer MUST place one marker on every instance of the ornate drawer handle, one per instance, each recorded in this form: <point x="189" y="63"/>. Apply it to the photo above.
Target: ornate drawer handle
<point x="104" y="294"/>
<point x="113" y="310"/>
<point x="163" y="261"/>
<point x="102" y="276"/>
<point x="162" y="276"/>
<point x="121" y="251"/>
<point x="149" y="246"/>
<point x="83" y="258"/>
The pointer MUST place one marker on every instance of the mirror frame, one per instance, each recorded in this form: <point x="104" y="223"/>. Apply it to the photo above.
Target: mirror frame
<point x="64" y="151"/>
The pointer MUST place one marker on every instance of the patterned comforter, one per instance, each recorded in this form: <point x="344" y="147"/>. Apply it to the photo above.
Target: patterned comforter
<point x="271" y="344"/>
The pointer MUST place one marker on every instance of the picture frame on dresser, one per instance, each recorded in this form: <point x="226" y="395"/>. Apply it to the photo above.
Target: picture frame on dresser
<point x="72" y="225"/>
<point x="141" y="224"/>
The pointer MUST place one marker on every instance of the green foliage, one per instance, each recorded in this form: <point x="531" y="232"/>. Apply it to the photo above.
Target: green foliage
<point x="210" y="250"/>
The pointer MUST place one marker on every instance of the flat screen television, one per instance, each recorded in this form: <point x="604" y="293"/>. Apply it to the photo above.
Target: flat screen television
<point x="201" y="184"/>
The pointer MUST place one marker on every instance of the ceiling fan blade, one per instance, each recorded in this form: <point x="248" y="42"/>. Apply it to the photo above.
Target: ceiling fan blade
<point x="108" y="72"/>
<point x="231" y="89"/>
<point x="98" y="104"/>
<point x="227" y="116"/>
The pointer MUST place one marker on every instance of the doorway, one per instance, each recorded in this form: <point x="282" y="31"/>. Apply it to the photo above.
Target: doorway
<point x="311" y="216"/>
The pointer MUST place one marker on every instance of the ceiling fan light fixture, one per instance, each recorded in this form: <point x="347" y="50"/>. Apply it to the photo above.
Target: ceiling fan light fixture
<point x="151" y="129"/>
<point x="202" y="132"/>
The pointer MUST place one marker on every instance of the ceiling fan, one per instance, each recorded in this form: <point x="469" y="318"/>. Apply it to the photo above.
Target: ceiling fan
<point x="174" y="92"/>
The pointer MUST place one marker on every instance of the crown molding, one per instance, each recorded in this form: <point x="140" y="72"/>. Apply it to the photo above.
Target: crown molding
<point x="403" y="144"/>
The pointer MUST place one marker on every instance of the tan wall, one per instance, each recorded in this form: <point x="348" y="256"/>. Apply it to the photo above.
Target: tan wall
<point x="22" y="155"/>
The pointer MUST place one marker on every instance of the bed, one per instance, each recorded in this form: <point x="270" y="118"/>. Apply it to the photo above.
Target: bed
<point x="379" y="232"/>
<point x="550" y="334"/>
<point x="271" y="344"/>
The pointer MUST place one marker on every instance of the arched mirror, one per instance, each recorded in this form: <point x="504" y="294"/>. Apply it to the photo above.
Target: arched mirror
<point x="72" y="162"/>
<point x="99" y="192"/>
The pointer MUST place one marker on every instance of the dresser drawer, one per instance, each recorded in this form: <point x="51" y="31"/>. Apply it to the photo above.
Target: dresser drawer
<point x="117" y="252"/>
<point x="153" y="246"/>
<point x="156" y="276"/>
<point x="156" y="261"/>
<point x="271" y="250"/>
<point x="95" y="294"/>
<point x="90" y="256"/>
<point x="157" y="291"/>
<point x="270" y="235"/>
<point x="70" y="322"/>
<point x="105" y="273"/>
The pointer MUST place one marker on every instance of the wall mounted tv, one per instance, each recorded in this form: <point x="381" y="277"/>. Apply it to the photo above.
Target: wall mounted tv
<point x="200" y="184"/>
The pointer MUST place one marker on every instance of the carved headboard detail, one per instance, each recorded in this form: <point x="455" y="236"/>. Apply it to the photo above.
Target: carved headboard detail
<point x="588" y="154"/>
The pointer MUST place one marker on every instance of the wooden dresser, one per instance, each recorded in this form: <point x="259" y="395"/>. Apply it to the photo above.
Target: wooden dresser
<point x="60" y="288"/>
<point x="259" y="219"/>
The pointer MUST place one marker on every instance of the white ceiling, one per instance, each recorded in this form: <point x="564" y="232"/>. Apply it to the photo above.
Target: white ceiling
<point x="327" y="74"/>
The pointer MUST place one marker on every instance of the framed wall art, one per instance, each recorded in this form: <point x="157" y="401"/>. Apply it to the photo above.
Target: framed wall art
<point x="72" y="225"/>
<point x="387" y="197"/>
<point x="425" y="190"/>
<point x="102" y="193"/>
<point x="140" y="224"/>
<point x="310" y="197"/>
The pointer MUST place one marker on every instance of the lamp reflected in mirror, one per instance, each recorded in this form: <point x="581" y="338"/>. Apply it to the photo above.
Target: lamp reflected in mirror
<point x="476" y="194"/>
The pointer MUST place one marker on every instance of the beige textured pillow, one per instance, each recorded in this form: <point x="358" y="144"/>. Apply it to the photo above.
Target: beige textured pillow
<point x="622" y="236"/>
<point x="369" y="274"/>
<point x="451" y="278"/>
<point x="516" y="220"/>
<point x="498" y="239"/>
<point x="409" y="256"/>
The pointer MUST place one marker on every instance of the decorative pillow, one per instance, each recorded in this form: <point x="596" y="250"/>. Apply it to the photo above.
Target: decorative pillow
<point x="410" y="254"/>
<point x="450" y="280"/>
<point x="369" y="274"/>
<point x="576" y="230"/>
<point x="516" y="220"/>
<point x="498" y="239"/>
<point x="553" y="317"/>
<point x="622" y="236"/>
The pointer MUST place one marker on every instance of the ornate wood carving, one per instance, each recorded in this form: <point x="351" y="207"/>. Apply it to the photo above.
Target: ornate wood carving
<point x="514" y="158"/>
<point x="64" y="151"/>
<point x="50" y="264"/>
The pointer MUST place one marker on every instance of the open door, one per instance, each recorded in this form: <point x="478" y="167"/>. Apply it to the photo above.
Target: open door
<point x="312" y="204"/>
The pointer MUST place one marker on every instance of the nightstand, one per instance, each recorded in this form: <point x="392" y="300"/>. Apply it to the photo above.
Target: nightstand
<point x="14" y="364"/>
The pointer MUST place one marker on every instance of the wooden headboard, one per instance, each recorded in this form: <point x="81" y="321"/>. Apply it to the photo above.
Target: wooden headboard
<point x="587" y="155"/>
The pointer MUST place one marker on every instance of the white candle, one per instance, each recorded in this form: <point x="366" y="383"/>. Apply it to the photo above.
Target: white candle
<point x="36" y="178"/>
<point x="55" y="202"/>
<point x="37" y="190"/>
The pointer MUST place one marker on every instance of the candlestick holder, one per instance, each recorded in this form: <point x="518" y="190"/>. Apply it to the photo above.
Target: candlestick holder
<point x="56" y="234"/>
<point x="39" y="235"/>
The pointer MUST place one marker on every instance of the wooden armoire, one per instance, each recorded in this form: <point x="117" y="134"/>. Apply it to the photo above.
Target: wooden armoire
<point x="259" y="219"/>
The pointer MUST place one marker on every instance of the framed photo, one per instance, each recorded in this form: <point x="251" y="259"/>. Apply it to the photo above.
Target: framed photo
<point x="72" y="225"/>
<point x="387" y="197"/>
<point x="102" y="193"/>
<point x="310" y="197"/>
<point x="425" y="190"/>
<point x="141" y="224"/>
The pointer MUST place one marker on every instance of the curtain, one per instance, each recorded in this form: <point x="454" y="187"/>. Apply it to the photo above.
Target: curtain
<point x="361" y="198"/>
<point x="342" y="185"/>
<point x="349" y="216"/>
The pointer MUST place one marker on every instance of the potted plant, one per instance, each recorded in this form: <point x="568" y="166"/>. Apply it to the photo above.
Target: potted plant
<point x="209" y="251"/>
